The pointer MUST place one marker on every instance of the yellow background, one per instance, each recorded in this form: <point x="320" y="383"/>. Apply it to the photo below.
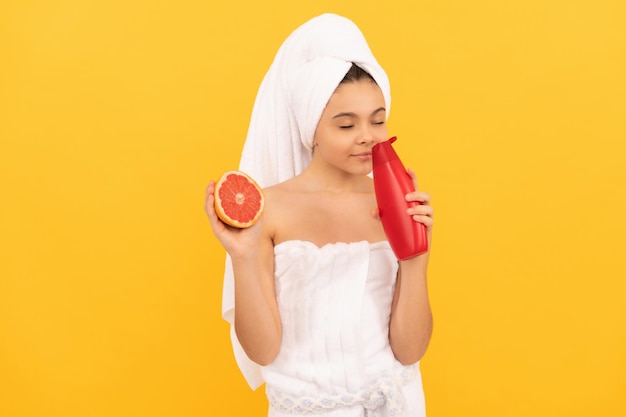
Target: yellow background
<point x="115" y="114"/>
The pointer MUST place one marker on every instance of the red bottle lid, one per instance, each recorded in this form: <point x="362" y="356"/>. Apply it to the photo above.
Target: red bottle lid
<point x="383" y="152"/>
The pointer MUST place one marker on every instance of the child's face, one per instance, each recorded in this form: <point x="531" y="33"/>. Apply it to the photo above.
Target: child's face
<point x="353" y="121"/>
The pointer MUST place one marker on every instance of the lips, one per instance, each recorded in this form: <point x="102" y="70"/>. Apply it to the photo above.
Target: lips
<point x="363" y="156"/>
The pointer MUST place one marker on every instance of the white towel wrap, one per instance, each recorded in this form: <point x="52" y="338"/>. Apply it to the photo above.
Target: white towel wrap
<point x="387" y="390"/>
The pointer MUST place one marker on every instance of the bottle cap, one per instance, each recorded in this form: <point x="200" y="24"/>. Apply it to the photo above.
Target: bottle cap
<point x="383" y="152"/>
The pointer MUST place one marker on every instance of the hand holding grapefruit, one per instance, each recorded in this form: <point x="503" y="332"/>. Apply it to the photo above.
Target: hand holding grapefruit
<point x="239" y="201"/>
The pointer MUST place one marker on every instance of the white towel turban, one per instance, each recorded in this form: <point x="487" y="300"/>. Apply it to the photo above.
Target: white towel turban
<point x="307" y="69"/>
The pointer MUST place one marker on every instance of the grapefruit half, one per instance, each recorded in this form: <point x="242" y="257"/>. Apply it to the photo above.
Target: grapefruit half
<point x="239" y="201"/>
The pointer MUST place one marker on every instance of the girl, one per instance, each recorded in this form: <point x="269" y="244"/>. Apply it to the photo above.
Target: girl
<point x="326" y="316"/>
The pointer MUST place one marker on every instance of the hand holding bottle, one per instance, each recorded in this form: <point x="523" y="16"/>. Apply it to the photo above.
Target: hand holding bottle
<point x="422" y="212"/>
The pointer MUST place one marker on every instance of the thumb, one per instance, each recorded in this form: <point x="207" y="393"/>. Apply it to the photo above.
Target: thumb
<point x="413" y="176"/>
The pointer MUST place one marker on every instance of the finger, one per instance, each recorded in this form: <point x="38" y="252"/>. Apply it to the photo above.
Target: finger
<point x="210" y="188"/>
<point x="418" y="196"/>
<point x="209" y="198"/>
<point x="413" y="177"/>
<point x="209" y="207"/>
<point x="375" y="213"/>
<point x="425" y="220"/>
<point x="421" y="210"/>
<point x="217" y="226"/>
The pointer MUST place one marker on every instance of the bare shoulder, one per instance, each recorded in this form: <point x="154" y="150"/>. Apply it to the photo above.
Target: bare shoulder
<point x="278" y="195"/>
<point x="279" y="205"/>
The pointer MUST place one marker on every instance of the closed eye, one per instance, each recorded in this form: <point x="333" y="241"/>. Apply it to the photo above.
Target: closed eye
<point x="346" y="127"/>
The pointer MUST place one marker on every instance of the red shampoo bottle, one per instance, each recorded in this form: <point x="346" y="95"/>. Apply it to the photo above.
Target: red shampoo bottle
<point x="392" y="182"/>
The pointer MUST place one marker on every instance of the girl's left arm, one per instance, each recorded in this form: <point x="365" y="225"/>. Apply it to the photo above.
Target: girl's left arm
<point x="411" y="321"/>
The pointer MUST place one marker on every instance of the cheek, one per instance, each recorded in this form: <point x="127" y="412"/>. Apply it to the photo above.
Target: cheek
<point x="323" y="133"/>
<point x="335" y="147"/>
<point x="382" y="134"/>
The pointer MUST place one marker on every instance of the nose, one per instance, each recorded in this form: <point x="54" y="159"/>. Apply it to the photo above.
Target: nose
<point x="367" y="137"/>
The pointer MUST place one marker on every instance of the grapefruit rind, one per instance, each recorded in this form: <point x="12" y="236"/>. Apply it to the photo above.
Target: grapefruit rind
<point x="220" y="202"/>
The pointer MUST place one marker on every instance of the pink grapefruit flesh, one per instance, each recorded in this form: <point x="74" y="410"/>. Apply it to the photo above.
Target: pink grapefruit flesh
<point x="239" y="201"/>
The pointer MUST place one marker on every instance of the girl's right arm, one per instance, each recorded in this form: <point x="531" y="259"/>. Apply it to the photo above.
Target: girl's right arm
<point x="257" y="322"/>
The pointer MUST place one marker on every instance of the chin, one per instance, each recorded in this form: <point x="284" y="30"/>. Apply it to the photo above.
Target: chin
<point x="363" y="171"/>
